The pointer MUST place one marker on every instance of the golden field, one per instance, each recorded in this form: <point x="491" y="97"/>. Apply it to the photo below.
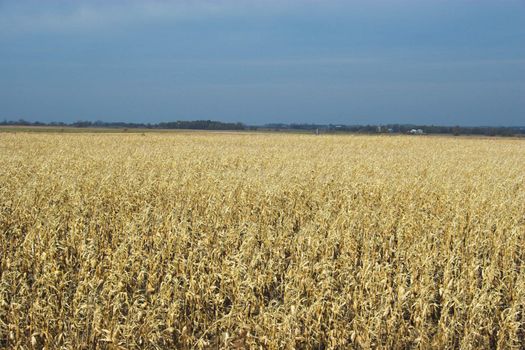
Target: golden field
<point x="270" y="241"/>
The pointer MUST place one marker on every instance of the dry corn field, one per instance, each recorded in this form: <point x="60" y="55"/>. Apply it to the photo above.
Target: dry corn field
<point x="262" y="241"/>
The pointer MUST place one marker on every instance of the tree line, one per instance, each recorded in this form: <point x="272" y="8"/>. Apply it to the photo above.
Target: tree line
<point x="305" y="127"/>
<point x="404" y="129"/>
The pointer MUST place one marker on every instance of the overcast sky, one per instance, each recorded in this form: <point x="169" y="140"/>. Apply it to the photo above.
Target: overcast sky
<point x="427" y="61"/>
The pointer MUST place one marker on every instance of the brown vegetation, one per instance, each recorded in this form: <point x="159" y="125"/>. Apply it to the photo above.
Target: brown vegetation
<point x="261" y="241"/>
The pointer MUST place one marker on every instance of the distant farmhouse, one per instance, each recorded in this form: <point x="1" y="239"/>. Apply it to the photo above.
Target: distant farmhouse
<point x="416" y="132"/>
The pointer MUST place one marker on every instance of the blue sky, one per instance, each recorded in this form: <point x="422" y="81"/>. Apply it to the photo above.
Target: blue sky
<point x="353" y="62"/>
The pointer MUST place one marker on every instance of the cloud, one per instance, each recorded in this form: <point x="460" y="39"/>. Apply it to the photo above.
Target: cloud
<point x="83" y="15"/>
<point x="96" y="15"/>
<point x="56" y="15"/>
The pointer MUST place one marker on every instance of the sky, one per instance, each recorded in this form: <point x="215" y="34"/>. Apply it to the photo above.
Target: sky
<point x="446" y="62"/>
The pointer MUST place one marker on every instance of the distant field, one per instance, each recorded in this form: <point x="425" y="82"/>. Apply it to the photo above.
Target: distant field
<point x="237" y="240"/>
<point x="76" y="130"/>
<point x="261" y="130"/>
<point x="70" y="129"/>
